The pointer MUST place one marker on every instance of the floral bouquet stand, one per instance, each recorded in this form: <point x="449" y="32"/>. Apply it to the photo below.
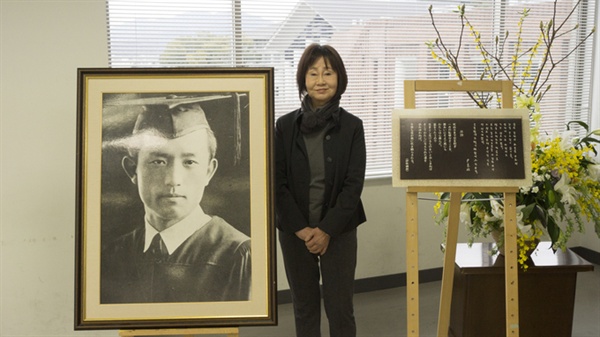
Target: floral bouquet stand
<point x="508" y="186"/>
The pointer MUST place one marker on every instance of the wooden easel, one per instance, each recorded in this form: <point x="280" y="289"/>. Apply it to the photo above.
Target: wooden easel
<point x="229" y="332"/>
<point x="412" y="246"/>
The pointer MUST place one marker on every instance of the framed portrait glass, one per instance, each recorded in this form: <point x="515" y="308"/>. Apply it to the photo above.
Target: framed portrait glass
<point x="174" y="223"/>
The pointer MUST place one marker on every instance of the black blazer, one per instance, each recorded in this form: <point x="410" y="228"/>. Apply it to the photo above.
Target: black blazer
<point x="345" y="163"/>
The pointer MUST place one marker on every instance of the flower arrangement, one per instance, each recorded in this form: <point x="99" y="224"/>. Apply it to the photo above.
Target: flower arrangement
<point x="564" y="192"/>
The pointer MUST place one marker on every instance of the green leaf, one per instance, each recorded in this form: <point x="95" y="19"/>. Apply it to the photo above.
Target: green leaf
<point x="541" y="214"/>
<point x="551" y="198"/>
<point x="446" y="209"/>
<point x="580" y="123"/>
<point x="553" y="229"/>
<point x="589" y="140"/>
<point x="527" y="211"/>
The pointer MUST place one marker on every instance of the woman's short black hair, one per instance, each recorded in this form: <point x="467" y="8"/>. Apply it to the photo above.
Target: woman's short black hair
<point x="332" y="59"/>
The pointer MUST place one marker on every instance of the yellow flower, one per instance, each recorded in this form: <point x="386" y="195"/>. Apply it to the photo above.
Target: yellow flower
<point x="565" y="186"/>
<point x="527" y="102"/>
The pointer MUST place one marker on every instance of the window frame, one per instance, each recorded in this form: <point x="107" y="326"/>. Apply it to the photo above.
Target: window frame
<point x="378" y="114"/>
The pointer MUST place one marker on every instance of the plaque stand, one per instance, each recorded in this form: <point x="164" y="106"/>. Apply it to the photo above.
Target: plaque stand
<point x="412" y="245"/>
<point x="229" y="332"/>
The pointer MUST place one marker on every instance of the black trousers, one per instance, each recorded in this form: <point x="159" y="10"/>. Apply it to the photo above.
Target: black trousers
<point x="336" y="268"/>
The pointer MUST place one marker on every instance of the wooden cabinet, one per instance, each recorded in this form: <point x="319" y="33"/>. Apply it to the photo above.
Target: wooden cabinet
<point x="546" y="293"/>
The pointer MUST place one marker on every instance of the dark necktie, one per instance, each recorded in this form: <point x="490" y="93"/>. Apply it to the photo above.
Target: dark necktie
<point x="158" y="250"/>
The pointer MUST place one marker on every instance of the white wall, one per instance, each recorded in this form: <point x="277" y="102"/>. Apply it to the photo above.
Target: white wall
<point x="42" y="45"/>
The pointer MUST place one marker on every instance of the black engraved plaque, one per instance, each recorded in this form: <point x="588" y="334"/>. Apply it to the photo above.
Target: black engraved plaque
<point x="461" y="148"/>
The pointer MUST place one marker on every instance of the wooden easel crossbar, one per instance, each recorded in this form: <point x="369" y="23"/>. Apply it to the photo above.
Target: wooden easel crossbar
<point x="229" y="332"/>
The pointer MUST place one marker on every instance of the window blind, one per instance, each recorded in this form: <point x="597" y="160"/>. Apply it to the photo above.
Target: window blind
<point x="382" y="44"/>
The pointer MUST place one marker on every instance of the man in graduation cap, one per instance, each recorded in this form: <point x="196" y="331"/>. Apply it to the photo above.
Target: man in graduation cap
<point x="180" y="254"/>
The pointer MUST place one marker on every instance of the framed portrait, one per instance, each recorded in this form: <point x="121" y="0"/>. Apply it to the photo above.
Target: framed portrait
<point x="174" y="223"/>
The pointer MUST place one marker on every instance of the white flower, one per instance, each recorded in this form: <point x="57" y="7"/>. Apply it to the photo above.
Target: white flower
<point x="465" y="214"/>
<point x="490" y="218"/>
<point x="563" y="186"/>
<point x="520" y="214"/>
<point x="520" y="224"/>
<point x="535" y="189"/>
<point x="497" y="209"/>
<point x="526" y="230"/>
<point x="594" y="171"/>
<point x="566" y="140"/>
<point x="523" y="228"/>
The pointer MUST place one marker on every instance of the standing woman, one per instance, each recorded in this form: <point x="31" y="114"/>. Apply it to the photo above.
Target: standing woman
<point x="320" y="169"/>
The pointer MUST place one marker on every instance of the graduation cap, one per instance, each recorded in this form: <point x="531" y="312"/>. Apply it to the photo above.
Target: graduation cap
<point x="174" y="116"/>
<point x="169" y="101"/>
<point x="172" y="122"/>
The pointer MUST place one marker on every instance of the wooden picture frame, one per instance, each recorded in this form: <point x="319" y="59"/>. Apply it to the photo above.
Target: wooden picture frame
<point x="208" y="279"/>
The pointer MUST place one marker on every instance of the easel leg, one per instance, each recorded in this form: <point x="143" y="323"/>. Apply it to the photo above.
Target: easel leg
<point x="449" y="261"/>
<point x="510" y="264"/>
<point x="412" y="264"/>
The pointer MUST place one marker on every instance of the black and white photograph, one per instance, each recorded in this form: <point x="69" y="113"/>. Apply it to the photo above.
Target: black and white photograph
<point x="177" y="172"/>
<point x="179" y="220"/>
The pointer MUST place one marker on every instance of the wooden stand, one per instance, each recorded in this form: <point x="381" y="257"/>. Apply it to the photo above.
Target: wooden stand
<point x="412" y="246"/>
<point x="229" y="332"/>
<point x="478" y="292"/>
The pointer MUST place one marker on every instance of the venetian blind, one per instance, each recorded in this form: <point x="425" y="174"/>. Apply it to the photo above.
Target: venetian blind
<point x="382" y="44"/>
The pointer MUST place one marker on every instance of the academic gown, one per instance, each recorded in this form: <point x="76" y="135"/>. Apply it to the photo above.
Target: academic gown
<point x="213" y="264"/>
